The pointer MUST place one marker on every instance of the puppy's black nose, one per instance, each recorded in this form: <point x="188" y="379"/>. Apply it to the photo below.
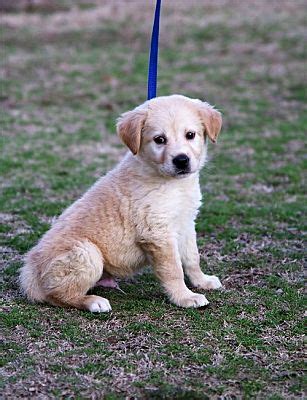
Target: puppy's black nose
<point x="181" y="161"/>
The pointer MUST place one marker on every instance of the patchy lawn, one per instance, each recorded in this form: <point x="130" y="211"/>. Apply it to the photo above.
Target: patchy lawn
<point x="67" y="73"/>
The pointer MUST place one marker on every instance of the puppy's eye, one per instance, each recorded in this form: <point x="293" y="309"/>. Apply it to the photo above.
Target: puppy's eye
<point x="160" y="139"/>
<point x="190" y="135"/>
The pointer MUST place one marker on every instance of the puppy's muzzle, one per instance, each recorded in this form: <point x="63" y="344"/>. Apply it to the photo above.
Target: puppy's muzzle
<point x="182" y="164"/>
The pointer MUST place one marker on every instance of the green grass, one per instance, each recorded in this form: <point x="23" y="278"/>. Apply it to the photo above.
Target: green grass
<point x="62" y="89"/>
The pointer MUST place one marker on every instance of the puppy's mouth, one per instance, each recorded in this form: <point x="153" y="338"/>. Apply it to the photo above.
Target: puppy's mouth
<point x="176" y="173"/>
<point x="183" y="172"/>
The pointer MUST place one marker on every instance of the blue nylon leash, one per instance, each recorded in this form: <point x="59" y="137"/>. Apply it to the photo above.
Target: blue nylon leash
<point x="153" y="57"/>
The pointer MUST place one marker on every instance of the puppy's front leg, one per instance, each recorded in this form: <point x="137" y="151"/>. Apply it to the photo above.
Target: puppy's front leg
<point x="167" y="265"/>
<point x="190" y="260"/>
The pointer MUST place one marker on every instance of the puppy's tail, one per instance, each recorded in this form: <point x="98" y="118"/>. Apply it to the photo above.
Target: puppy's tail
<point x="29" y="280"/>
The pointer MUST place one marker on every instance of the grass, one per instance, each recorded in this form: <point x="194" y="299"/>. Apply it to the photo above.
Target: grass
<point x="66" y="75"/>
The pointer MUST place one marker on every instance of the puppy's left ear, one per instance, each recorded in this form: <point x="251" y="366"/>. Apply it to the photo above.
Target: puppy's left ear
<point x="129" y="128"/>
<point x="211" y="119"/>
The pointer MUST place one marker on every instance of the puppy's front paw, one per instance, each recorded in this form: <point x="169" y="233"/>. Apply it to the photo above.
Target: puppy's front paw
<point x="208" y="282"/>
<point x="194" y="300"/>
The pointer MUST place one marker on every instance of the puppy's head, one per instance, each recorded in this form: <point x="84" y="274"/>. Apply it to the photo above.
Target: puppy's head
<point x="170" y="133"/>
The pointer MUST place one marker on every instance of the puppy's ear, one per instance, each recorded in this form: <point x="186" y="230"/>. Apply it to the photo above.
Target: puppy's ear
<point x="129" y="128"/>
<point x="211" y="119"/>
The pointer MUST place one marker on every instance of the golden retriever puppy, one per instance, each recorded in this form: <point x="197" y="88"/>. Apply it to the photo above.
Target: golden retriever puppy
<point x="141" y="213"/>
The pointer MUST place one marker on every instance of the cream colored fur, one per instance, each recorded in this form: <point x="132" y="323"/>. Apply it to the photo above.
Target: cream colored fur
<point x="141" y="213"/>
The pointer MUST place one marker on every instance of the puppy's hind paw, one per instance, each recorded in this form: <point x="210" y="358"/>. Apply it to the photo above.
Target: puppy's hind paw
<point x="99" y="304"/>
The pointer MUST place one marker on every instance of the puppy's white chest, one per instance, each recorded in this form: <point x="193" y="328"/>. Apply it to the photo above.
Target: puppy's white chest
<point x="186" y="210"/>
<point x="177" y="205"/>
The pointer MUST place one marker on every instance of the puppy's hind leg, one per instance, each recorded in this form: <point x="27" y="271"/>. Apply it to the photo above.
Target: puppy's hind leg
<point x="69" y="277"/>
<point x="88" y="302"/>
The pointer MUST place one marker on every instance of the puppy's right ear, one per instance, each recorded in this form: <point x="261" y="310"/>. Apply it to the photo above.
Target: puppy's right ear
<point x="129" y="128"/>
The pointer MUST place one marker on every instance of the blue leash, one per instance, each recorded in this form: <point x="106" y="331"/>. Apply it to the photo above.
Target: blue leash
<point x="153" y="58"/>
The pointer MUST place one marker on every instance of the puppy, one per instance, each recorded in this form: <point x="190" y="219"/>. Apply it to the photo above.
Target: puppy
<point x="141" y="213"/>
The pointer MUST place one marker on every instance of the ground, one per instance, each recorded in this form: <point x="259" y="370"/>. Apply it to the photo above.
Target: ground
<point x="68" y="69"/>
